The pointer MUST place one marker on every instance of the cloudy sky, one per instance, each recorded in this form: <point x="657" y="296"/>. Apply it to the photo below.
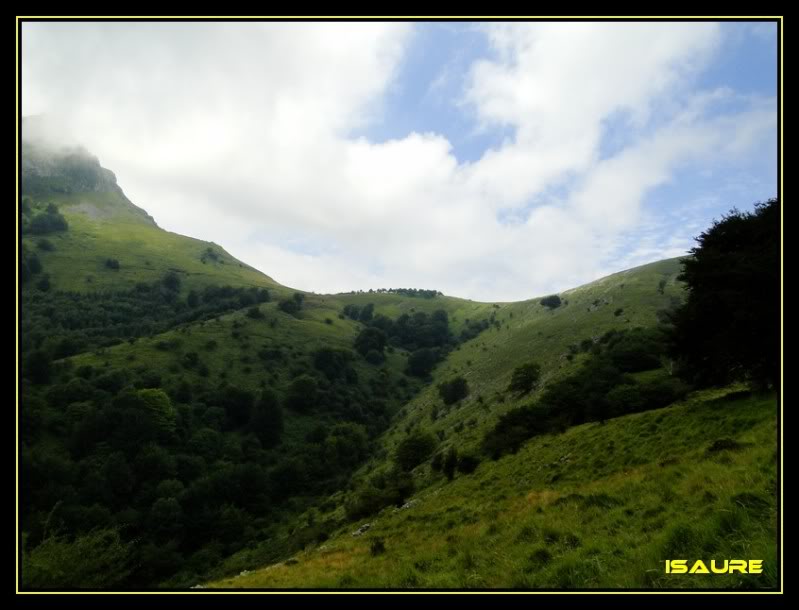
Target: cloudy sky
<point x="489" y="161"/>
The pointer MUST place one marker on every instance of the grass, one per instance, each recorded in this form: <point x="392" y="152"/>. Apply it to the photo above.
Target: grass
<point x="599" y="506"/>
<point x="528" y="331"/>
<point x="106" y="225"/>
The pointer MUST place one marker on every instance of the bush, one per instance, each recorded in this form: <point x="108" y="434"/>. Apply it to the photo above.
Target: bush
<point x="97" y="560"/>
<point x="454" y="390"/>
<point x="45" y="245"/>
<point x="50" y="221"/>
<point x="468" y="463"/>
<point x="289" y="306"/>
<point x="377" y="547"/>
<point x="255" y="313"/>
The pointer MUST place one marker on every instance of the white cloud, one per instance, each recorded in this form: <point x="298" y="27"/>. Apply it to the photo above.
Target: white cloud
<point x="240" y="134"/>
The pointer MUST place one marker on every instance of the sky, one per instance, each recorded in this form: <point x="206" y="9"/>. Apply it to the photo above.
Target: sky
<point x="490" y="161"/>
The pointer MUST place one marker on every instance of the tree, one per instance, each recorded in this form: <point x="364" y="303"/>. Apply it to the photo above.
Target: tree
<point x="729" y="327"/>
<point x="450" y="463"/>
<point x="414" y="449"/>
<point x="237" y="403"/>
<point x="255" y="313"/>
<point x="453" y="390"/>
<point x="171" y="282"/>
<point x="367" y="313"/>
<point x="370" y="339"/>
<point x="552" y="301"/>
<point x="289" y="306"/>
<point x="302" y="393"/>
<point x="422" y="361"/>
<point x="525" y="378"/>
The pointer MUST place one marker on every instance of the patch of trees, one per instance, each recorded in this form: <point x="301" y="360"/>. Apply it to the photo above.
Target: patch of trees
<point x="601" y="389"/>
<point x="293" y="305"/>
<point x="49" y="221"/>
<point x="472" y="328"/>
<point x="185" y="469"/>
<point x="729" y="327"/>
<point x="427" y="337"/>
<point x="551" y="302"/>
<point x="450" y="461"/>
<point x="65" y="323"/>
<point x="406" y="292"/>
<point x="192" y="472"/>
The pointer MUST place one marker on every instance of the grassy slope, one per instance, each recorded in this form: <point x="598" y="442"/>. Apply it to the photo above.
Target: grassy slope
<point x="105" y="225"/>
<point x="441" y="542"/>
<point x="530" y="331"/>
<point x="597" y="506"/>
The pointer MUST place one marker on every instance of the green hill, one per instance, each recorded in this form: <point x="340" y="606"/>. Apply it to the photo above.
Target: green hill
<point x="104" y="224"/>
<point x="600" y="506"/>
<point x="184" y="417"/>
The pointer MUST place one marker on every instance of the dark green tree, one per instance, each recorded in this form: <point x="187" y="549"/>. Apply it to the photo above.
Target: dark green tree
<point x="453" y="390"/>
<point x="525" y="378"/>
<point x="729" y="327"/>
<point x="552" y="301"/>
<point x="422" y="361"/>
<point x="414" y="449"/>
<point x="370" y="339"/>
<point x="302" y="393"/>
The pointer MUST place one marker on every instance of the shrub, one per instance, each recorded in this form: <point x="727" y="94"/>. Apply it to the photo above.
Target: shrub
<point x="450" y="463"/>
<point x="255" y="313"/>
<point x="45" y="244"/>
<point x="468" y="463"/>
<point x="454" y="390"/>
<point x="289" y="306"/>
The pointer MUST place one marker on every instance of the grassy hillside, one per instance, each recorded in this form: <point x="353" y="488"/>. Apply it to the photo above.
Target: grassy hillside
<point x="529" y="331"/>
<point x="598" y="506"/>
<point x="186" y="431"/>
<point x="104" y="224"/>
